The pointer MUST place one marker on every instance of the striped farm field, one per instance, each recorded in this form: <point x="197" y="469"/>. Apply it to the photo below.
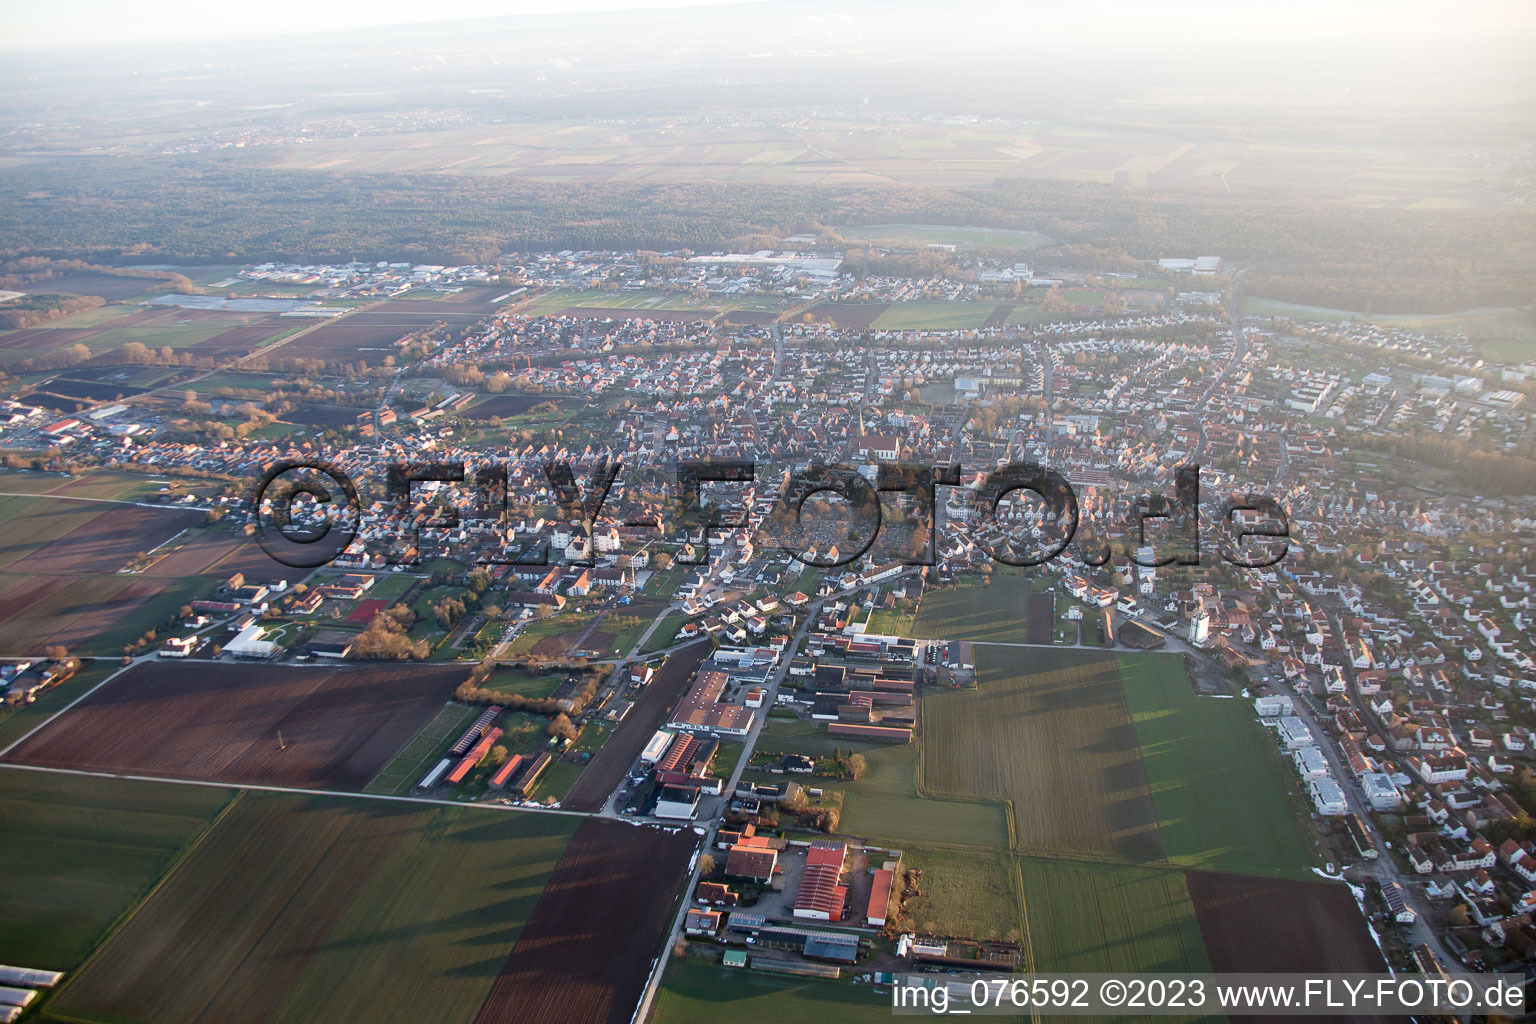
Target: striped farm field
<point x="1048" y="732"/>
<point x="1087" y="917"/>
<point x="309" y="908"/>
<point x="1225" y="800"/>
<point x="79" y="852"/>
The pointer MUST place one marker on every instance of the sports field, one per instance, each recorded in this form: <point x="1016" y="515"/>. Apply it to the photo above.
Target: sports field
<point x="1217" y="780"/>
<point x="78" y="853"/>
<point x="1047" y="732"/>
<point x="344" y="910"/>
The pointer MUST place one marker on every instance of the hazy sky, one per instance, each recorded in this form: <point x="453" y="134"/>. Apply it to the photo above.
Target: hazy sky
<point x="71" y="24"/>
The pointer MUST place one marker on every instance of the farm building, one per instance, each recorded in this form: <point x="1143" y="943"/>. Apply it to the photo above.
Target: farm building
<point x="822" y="894"/>
<point x="530" y="774"/>
<point x="877" y="733"/>
<point x="506" y="771"/>
<point x="678" y="802"/>
<point x="430" y="779"/>
<point x="477" y="729"/>
<point x="755" y="862"/>
<point x="331" y="643"/>
<point x="475" y="756"/>
<point x="880" y="897"/>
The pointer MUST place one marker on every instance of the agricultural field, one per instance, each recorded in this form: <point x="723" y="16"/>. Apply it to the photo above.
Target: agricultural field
<point x="915" y="316"/>
<point x="105" y="542"/>
<point x="221" y="722"/>
<point x="1047" y="732"/>
<point x="418" y="756"/>
<point x="695" y="992"/>
<point x="585" y="954"/>
<point x="998" y="611"/>
<point x="210" y="333"/>
<point x="79" y="853"/>
<point x="346" y="910"/>
<point x="1086" y="917"/>
<point x="850" y="315"/>
<point x="91" y="615"/>
<point x="1309" y="926"/>
<point x="368" y="335"/>
<point x="1217" y="781"/>
<point x="664" y="305"/>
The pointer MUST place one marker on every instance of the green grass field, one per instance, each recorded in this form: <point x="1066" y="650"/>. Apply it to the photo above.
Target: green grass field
<point x="1087" y="917"/>
<point x="1217" y="780"/>
<point x="344" y="910"/>
<point x="966" y="893"/>
<point x="695" y="992"/>
<point x="426" y="748"/>
<point x="939" y="315"/>
<point x="79" y="852"/>
<point x="509" y="679"/>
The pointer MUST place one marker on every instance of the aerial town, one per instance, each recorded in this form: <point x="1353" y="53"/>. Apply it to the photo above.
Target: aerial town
<point x="601" y="660"/>
<point x="679" y="514"/>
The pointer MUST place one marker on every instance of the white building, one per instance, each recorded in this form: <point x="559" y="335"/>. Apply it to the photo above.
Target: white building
<point x="1271" y="707"/>
<point x="249" y="644"/>
<point x="1294" y="733"/>
<point x="1327" y="797"/>
<point x="1381" y="791"/>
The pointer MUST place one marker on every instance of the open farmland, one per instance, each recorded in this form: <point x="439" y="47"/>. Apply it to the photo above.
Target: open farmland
<point x="211" y="333"/>
<point x="220" y="722"/>
<point x="219" y="554"/>
<point x="346" y="910"/>
<point x="88" y="614"/>
<point x="80" y="852"/>
<point x="368" y="335"/>
<point x="1217" y="781"/>
<point x="107" y="541"/>
<point x="852" y="315"/>
<point x="913" y="316"/>
<point x="1307" y="927"/>
<point x="586" y="952"/>
<point x="1086" y="917"/>
<point x="1048" y="732"/>
<point x="607" y="767"/>
<point x="31" y="524"/>
<point x="695" y="992"/>
<point x="1002" y="611"/>
<point x="858" y="153"/>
